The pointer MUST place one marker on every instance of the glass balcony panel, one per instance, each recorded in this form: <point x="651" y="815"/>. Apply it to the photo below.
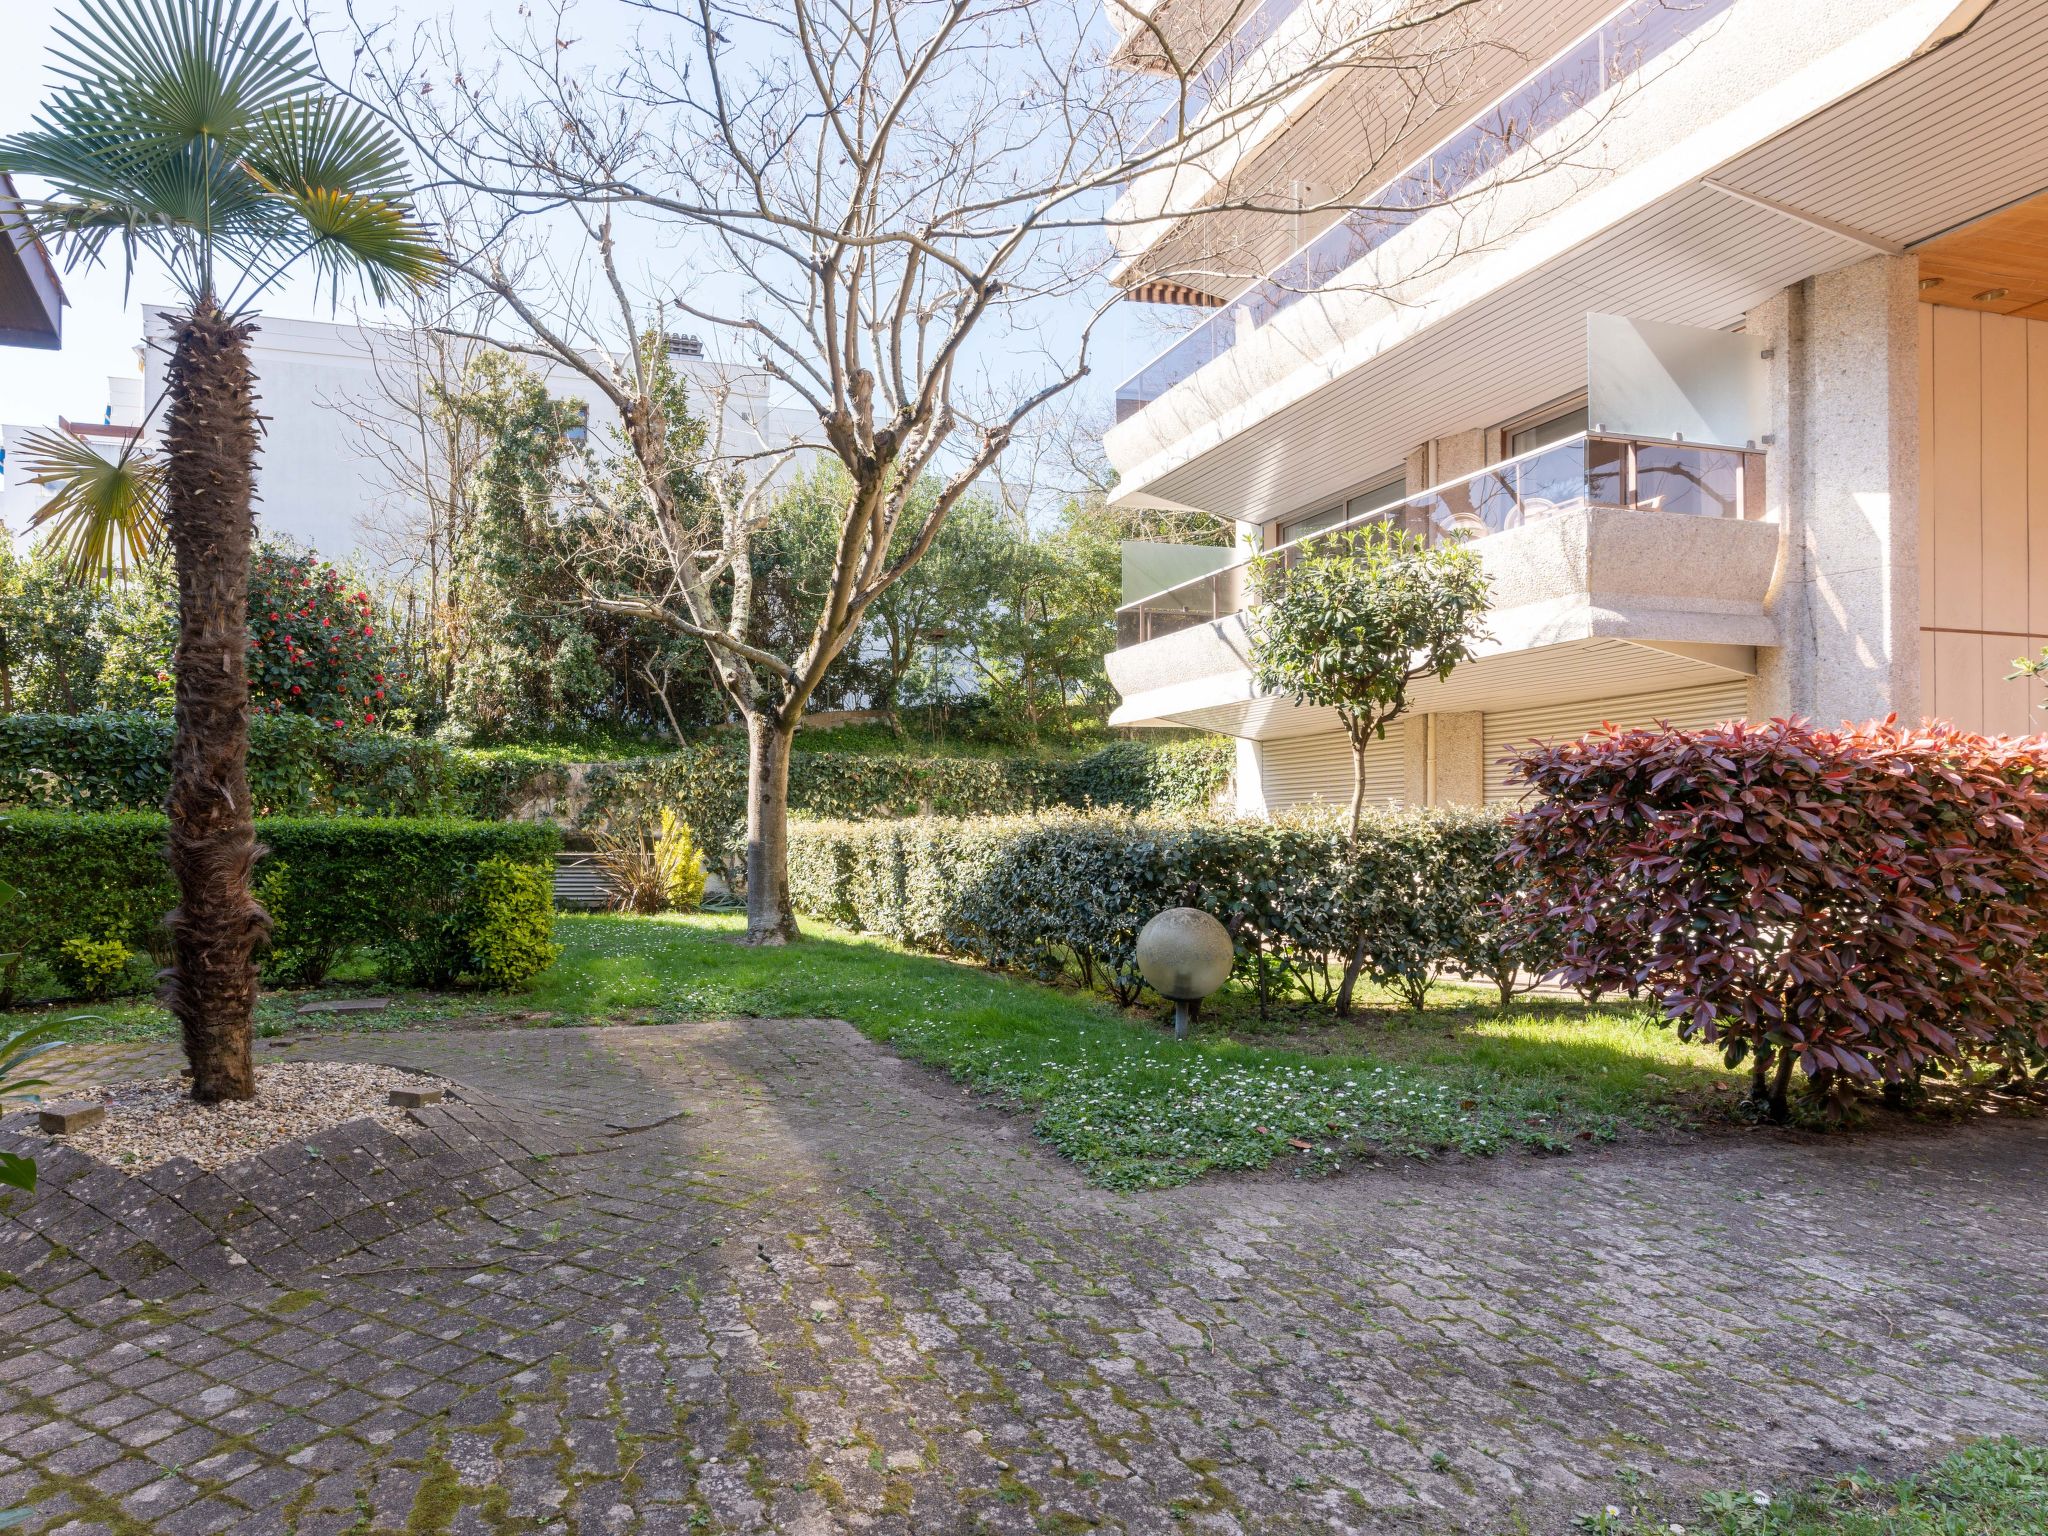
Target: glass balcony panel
<point x="1695" y="482"/>
<point x="1606" y="472"/>
<point x="1579" y="472"/>
<point x="1548" y="483"/>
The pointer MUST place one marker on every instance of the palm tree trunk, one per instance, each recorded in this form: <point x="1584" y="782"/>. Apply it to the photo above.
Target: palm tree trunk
<point x="217" y="926"/>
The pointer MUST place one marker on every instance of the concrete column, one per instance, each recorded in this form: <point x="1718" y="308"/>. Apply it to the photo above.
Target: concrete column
<point x="1461" y="454"/>
<point x="1457" y="758"/>
<point x="1844" y="469"/>
<point x="1414" y="759"/>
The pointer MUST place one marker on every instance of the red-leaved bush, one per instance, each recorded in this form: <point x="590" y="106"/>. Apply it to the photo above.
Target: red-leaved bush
<point x="1867" y="903"/>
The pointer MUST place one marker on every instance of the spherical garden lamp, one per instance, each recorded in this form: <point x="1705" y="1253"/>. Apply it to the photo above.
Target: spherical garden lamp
<point x="1184" y="954"/>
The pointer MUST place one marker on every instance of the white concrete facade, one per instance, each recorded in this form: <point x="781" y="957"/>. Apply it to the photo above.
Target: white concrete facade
<point x="1777" y="177"/>
<point x="320" y="483"/>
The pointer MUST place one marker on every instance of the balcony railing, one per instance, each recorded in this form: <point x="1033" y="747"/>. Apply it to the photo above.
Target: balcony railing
<point x="1628" y="41"/>
<point x="1251" y="34"/>
<point x="1588" y="470"/>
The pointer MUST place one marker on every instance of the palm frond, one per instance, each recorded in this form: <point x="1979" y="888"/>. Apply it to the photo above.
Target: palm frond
<point x="194" y="129"/>
<point x="341" y="178"/>
<point x="180" y="71"/>
<point x="103" y="513"/>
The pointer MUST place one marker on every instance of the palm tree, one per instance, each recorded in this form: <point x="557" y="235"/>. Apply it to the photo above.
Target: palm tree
<point x="194" y="131"/>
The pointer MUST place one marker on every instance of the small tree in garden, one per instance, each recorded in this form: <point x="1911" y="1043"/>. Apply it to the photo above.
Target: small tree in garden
<point x="1348" y="621"/>
<point x="192" y="130"/>
<point x="1863" y="904"/>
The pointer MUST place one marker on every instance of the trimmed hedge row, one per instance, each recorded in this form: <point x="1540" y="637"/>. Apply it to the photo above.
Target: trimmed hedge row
<point x="436" y="901"/>
<point x="1066" y="895"/>
<point x="120" y="762"/>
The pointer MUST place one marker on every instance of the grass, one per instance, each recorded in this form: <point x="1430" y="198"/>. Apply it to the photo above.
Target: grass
<point x="1115" y="1093"/>
<point x="1994" y="1488"/>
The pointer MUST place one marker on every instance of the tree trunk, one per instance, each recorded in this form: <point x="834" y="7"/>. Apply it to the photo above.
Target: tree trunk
<point x="217" y="926"/>
<point x="1357" y="784"/>
<point x="1354" y="964"/>
<point x="770" y="917"/>
<point x="1781" y="1084"/>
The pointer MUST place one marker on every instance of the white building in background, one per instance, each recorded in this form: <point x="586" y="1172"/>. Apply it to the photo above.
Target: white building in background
<point x="323" y="481"/>
<point x="120" y="424"/>
<point x="1745" y="409"/>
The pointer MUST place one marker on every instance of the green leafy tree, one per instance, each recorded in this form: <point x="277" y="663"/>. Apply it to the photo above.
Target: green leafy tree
<point x="138" y="621"/>
<point x="905" y="648"/>
<point x="52" y="647"/>
<point x="194" y="131"/>
<point x="1348" y="620"/>
<point x="528" y="657"/>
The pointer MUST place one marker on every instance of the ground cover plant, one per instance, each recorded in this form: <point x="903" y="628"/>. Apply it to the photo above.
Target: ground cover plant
<point x="1995" y="1488"/>
<point x="1107" y="1088"/>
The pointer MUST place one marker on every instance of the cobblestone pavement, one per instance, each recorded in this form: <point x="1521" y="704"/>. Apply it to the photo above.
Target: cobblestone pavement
<point x="764" y="1276"/>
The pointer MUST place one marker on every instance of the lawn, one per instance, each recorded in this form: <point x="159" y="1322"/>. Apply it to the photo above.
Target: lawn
<point x="1995" y="1488"/>
<point x="1114" y="1092"/>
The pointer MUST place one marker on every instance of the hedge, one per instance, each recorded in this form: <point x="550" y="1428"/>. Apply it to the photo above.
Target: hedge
<point x="1067" y="894"/>
<point x="120" y="762"/>
<point x="434" y="900"/>
<point x="1866" y="904"/>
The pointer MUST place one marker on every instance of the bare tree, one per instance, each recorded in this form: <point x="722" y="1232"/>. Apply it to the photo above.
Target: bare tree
<point x="896" y="212"/>
<point x="421" y="454"/>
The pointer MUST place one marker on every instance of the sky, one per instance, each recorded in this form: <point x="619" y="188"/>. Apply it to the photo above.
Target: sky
<point x="100" y="331"/>
<point x="103" y="324"/>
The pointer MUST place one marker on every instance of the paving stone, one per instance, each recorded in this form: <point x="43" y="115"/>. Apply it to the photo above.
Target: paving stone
<point x="821" y="1290"/>
<point x="74" y="1115"/>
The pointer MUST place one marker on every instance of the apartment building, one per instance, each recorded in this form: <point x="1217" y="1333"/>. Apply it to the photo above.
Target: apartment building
<point x="1729" y="354"/>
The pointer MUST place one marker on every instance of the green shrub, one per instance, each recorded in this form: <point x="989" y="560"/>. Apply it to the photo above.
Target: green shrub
<point x="396" y="889"/>
<point x="120" y="761"/>
<point x="681" y="866"/>
<point x="91" y="968"/>
<point x="509" y="924"/>
<point x="1067" y="894"/>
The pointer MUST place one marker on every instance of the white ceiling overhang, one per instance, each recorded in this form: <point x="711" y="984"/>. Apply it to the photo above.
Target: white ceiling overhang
<point x="1950" y="135"/>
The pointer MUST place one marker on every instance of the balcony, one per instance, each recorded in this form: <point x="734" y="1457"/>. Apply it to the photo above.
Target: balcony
<point x="1588" y="470"/>
<point x="1633" y="38"/>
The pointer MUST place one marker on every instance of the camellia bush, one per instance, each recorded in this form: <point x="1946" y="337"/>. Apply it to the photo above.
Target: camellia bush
<point x="1863" y="905"/>
<point x="1065" y="895"/>
<point x="314" y="648"/>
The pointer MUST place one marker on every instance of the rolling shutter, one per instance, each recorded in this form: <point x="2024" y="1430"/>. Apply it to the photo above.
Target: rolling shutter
<point x="1304" y="768"/>
<point x="1687" y="707"/>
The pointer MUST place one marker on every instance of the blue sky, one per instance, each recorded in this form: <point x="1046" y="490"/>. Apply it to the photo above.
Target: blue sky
<point x="102" y="326"/>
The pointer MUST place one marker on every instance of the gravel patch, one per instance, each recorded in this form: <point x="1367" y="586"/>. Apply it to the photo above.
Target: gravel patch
<point x="154" y="1121"/>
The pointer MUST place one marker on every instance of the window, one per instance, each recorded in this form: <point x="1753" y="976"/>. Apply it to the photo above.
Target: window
<point x="1555" y="422"/>
<point x="1390" y="491"/>
<point x="577" y="430"/>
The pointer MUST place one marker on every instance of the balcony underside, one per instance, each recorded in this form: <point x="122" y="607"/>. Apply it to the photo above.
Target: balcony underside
<point x="1586" y="604"/>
